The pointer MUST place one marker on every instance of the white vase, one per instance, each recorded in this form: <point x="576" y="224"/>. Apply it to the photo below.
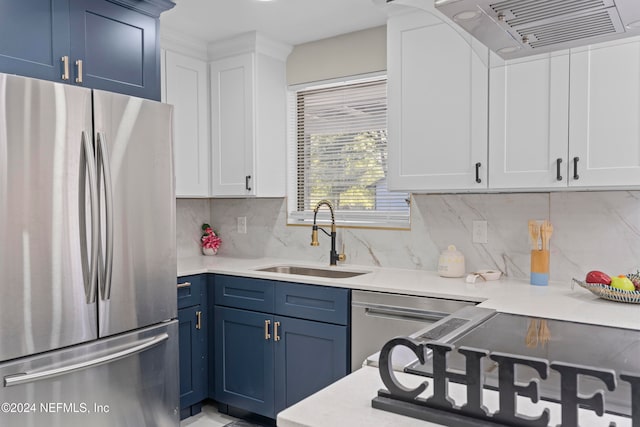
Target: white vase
<point x="209" y="251"/>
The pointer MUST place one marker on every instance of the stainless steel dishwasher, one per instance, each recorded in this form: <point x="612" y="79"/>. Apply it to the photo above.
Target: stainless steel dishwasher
<point x="376" y="317"/>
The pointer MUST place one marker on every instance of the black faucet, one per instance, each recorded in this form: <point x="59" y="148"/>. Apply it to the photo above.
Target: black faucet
<point x="334" y="256"/>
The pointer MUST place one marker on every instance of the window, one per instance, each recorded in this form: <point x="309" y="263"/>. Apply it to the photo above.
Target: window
<point x="338" y="151"/>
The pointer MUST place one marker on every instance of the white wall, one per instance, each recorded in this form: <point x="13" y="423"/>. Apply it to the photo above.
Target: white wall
<point x="360" y="52"/>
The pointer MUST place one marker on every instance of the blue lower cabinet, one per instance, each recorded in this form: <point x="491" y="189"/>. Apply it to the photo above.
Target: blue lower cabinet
<point x="265" y="363"/>
<point x="309" y="356"/>
<point x="192" y="359"/>
<point x="244" y="359"/>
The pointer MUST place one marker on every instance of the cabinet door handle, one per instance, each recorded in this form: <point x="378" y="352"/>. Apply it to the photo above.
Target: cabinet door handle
<point x="65" y="67"/>
<point x="246" y="182"/>
<point x="184" y="285"/>
<point x="575" y="168"/>
<point x="79" y="67"/>
<point x="558" y="175"/>
<point x="276" y="337"/>
<point x="478" y="180"/>
<point x="198" y="320"/>
<point x="267" y="335"/>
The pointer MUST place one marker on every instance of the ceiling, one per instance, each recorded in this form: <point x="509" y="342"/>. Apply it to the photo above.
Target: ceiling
<point x="287" y="21"/>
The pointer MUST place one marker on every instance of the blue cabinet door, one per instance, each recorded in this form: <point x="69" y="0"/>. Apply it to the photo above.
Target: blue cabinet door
<point x="118" y="47"/>
<point x="309" y="356"/>
<point x="192" y="356"/>
<point x="34" y="36"/>
<point x="244" y="360"/>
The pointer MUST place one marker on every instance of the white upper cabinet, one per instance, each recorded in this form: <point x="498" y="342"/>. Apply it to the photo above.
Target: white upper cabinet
<point x="604" y="132"/>
<point x="185" y="87"/>
<point x="529" y="122"/>
<point x="437" y="106"/>
<point x="568" y="119"/>
<point x="248" y="122"/>
<point x="232" y="98"/>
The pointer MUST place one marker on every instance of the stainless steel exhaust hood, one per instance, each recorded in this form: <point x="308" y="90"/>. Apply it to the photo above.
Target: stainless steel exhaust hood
<point x="517" y="28"/>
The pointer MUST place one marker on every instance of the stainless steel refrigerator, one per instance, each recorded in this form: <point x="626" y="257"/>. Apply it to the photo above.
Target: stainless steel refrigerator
<point x="88" y="335"/>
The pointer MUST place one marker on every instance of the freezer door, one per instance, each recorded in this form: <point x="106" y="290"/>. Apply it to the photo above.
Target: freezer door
<point x="136" y="183"/>
<point x="45" y="162"/>
<point x="128" y="380"/>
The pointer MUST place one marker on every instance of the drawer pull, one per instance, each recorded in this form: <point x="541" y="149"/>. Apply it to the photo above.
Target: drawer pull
<point x="79" y="67"/>
<point x="184" y="285"/>
<point x="65" y="67"/>
<point x="267" y="335"/>
<point x="198" y="320"/>
<point x="558" y="174"/>
<point x="276" y="337"/>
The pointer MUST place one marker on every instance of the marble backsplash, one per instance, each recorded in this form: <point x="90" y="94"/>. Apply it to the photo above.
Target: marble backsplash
<point x="592" y="230"/>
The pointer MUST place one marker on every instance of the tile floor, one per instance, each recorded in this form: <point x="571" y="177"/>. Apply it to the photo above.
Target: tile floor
<point x="209" y="417"/>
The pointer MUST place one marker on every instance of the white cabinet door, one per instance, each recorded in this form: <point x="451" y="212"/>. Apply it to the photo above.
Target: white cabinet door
<point x="437" y="98"/>
<point x="605" y="111"/>
<point x="232" y="125"/>
<point x="186" y="89"/>
<point x="528" y="123"/>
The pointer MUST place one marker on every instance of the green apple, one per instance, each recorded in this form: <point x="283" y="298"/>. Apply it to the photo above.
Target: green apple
<point x="622" y="282"/>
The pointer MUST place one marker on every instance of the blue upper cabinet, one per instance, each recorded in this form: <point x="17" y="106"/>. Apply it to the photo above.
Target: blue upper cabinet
<point x="118" y="48"/>
<point x="110" y="45"/>
<point x="34" y="36"/>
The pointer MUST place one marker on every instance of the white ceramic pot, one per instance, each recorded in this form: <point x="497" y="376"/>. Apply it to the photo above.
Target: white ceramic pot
<point x="209" y="251"/>
<point x="451" y="263"/>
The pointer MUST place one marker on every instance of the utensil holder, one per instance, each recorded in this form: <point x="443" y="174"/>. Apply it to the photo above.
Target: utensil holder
<point x="539" y="267"/>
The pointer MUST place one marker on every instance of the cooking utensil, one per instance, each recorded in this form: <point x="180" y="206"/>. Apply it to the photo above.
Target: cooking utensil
<point x="544" y="334"/>
<point x="531" y="339"/>
<point x="546" y="230"/>
<point x="534" y="233"/>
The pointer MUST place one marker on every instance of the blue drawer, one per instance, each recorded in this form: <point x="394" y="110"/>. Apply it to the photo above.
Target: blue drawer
<point x="190" y="290"/>
<point x="244" y="292"/>
<point x="321" y="303"/>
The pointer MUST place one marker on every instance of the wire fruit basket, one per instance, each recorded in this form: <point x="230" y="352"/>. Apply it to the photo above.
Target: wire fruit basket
<point x="612" y="294"/>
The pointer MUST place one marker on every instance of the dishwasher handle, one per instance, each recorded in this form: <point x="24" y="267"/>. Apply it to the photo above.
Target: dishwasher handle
<point x="404" y="314"/>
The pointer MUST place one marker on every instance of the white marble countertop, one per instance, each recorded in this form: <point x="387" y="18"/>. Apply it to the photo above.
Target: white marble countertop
<point x="348" y="403"/>
<point x="556" y="301"/>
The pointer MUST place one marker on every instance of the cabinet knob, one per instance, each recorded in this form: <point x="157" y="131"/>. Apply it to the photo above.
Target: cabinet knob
<point x="198" y="320"/>
<point x="65" y="67"/>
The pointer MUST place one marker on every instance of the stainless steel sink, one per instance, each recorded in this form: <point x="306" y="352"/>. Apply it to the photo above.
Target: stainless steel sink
<point x="308" y="271"/>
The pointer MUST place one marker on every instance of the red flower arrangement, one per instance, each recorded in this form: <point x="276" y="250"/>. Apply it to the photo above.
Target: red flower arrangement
<point x="210" y="240"/>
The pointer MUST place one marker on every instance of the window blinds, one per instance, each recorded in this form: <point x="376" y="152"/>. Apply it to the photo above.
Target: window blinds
<point x="340" y="154"/>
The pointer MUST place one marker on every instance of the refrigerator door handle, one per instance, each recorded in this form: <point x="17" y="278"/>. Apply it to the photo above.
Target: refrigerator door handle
<point x="88" y="163"/>
<point x="26" y="377"/>
<point x="105" y="167"/>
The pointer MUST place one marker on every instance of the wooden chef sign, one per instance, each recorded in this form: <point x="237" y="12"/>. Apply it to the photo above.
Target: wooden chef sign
<point x="440" y="408"/>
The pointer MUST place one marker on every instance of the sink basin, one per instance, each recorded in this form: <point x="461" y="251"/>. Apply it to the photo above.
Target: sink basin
<point x="308" y="271"/>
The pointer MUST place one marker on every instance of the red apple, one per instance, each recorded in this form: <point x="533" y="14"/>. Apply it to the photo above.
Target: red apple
<point x="598" y="277"/>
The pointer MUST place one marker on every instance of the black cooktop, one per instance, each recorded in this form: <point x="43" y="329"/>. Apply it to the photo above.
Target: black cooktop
<point x="554" y="340"/>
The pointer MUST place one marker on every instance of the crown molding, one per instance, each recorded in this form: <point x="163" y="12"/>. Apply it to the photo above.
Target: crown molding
<point x="176" y="41"/>
<point x="251" y="42"/>
<point x="148" y="7"/>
